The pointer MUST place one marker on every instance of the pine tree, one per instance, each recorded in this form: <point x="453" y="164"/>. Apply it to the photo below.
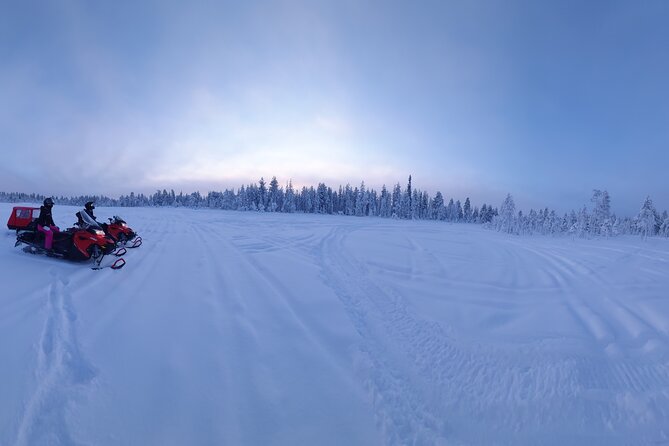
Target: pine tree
<point x="322" y="199"/>
<point x="409" y="196"/>
<point x="582" y="225"/>
<point x="467" y="211"/>
<point x="664" y="228"/>
<point x="261" y="199"/>
<point x="459" y="215"/>
<point x="397" y="202"/>
<point x="331" y="196"/>
<point x="289" y="201"/>
<point x="647" y="220"/>
<point x="242" y="199"/>
<point x="361" y="201"/>
<point x="438" y="206"/>
<point x="384" y="208"/>
<point x="484" y="214"/>
<point x="415" y="205"/>
<point x="451" y="214"/>
<point x="505" y="221"/>
<point x="273" y="201"/>
<point x="601" y="214"/>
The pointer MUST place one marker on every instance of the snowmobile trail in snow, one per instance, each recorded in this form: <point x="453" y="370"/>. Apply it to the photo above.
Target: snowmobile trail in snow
<point x="61" y="371"/>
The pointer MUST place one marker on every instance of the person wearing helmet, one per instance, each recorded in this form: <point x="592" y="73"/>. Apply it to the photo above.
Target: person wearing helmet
<point x="88" y="208"/>
<point x="45" y="223"/>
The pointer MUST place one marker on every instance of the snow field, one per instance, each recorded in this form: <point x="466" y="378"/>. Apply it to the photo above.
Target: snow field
<point x="247" y="328"/>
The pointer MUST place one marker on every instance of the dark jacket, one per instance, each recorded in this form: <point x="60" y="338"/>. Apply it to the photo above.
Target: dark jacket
<point x="45" y="218"/>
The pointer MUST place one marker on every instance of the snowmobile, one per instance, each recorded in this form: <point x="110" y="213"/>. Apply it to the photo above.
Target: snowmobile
<point x="85" y="242"/>
<point x="118" y="230"/>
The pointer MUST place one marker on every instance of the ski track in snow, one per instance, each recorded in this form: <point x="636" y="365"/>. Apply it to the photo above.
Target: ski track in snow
<point x="62" y="370"/>
<point x="426" y="385"/>
<point x="600" y="320"/>
<point x="279" y="300"/>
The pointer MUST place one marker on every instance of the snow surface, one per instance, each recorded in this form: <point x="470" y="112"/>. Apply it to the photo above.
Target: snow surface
<point x="249" y="328"/>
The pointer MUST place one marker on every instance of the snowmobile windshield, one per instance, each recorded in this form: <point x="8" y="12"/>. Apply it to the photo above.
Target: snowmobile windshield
<point x="89" y="223"/>
<point x="118" y="219"/>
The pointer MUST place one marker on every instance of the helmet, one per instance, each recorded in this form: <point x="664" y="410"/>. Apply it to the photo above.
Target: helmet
<point x="89" y="206"/>
<point x="48" y="202"/>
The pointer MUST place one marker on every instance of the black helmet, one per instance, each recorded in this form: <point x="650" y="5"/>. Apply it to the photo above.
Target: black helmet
<point x="48" y="202"/>
<point x="90" y="206"/>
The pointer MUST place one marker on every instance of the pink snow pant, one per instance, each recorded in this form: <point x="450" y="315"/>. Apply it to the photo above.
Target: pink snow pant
<point x="48" y="234"/>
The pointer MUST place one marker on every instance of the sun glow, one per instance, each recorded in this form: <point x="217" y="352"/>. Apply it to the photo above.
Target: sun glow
<point x="215" y="144"/>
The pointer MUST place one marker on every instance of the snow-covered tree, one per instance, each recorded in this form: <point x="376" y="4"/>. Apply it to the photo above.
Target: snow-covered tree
<point x="261" y="198"/>
<point x="476" y="216"/>
<point x="416" y="201"/>
<point x="274" y="197"/>
<point x="322" y="199"/>
<point x="385" y="205"/>
<point x="647" y="220"/>
<point x="601" y="213"/>
<point x="409" y="197"/>
<point x="485" y="216"/>
<point x="581" y="227"/>
<point x="451" y="214"/>
<point x="467" y="211"/>
<point x="664" y="227"/>
<point x="397" y="201"/>
<point x="505" y="221"/>
<point x="438" y="209"/>
<point x="361" y="201"/>
<point x="289" y="204"/>
<point x="349" y="201"/>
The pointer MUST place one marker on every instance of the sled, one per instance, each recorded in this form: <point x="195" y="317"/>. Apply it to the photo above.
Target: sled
<point x="21" y="217"/>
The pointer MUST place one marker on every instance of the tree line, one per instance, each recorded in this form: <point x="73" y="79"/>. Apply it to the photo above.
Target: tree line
<point x="399" y="202"/>
<point x="402" y="203"/>
<point x="598" y="221"/>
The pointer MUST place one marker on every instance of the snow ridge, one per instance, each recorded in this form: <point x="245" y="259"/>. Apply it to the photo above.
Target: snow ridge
<point x="61" y="371"/>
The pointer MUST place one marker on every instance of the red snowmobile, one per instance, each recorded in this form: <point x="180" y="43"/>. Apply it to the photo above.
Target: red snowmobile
<point x="121" y="233"/>
<point x="86" y="242"/>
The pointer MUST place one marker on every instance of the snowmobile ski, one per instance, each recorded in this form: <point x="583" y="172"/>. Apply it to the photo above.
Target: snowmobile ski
<point x="118" y="264"/>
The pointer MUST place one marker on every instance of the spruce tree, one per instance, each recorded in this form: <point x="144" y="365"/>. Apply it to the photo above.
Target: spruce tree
<point x="397" y="202"/>
<point x="647" y="220"/>
<point x="467" y="211"/>
<point x="505" y="221"/>
<point x="261" y="199"/>
<point x="409" y="194"/>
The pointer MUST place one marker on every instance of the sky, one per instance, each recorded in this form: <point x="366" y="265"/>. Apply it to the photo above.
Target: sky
<point x="543" y="100"/>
